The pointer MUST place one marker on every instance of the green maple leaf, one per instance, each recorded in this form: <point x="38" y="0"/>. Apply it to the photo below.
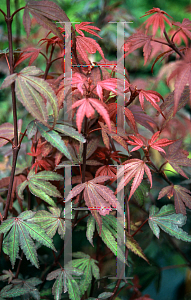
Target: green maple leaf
<point x="20" y="287"/>
<point x="20" y="232"/>
<point x="169" y="221"/>
<point x="39" y="186"/>
<point x="108" y="234"/>
<point x="65" y="282"/>
<point x="88" y="265"/>
<point x="51" y="221"/>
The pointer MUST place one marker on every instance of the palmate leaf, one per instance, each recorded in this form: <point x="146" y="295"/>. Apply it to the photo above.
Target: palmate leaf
<point x="96" y="197"/>
<point x="21" y="233"/>
<point x="181" y="197"/>
<point x="109" y="236"/>
<point x="39" y="186"/>
<point x="29" y="90"/>
<point x="169" y="221"/>
<point x="87" y="106"/>
<point x="133" y="168"/>
<point x="64" y="282"/>
<point x="54" y="139"/>
<point x="77" y="155"/>
<point x="50" y="221"/>
<point x="89" y="268"/>
<point x="70" y="131"/>
<point x="20" y="287"/>
<point x="182" y="73"/>
<point x="44" y="12"/>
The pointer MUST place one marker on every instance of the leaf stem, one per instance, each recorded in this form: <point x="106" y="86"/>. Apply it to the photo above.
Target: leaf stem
<point x="140" y="227"/>
<point x="172" y="45"/>
<point x="16" y="11"/>
<point x="49" y="62"/>
<point x="83" y="167"/>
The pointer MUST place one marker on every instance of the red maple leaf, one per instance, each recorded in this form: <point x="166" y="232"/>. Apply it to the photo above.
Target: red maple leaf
<point x="87" y="106"/>
<point x="79" y="80"/>
<point x="158" y="144"/>
<point x="141" y="141"/>
<point x="106" y="171"/>
<point x="183" y="76"/>
<point x="55" y="40"/>
<point x="26" y="53"/>
<point x="96" y="197"/>
<point x="185" y="27"/>
<point x="152" y="97"/>
<point x="112" y="84"/>
<point x="157" y="20"/>
<point x="142" y="118"/>
<point x="84" y="44"/>
<point x="178" y="36"/>
<point x="181" y="195"/>
<point x="138" y="40"/>
<point x="39" y="152"/>
<point x="132" y="168"/>
<point x="86" y="27"/>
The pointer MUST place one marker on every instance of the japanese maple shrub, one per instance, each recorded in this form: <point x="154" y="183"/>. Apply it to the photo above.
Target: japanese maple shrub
<point x="75" y="126"/>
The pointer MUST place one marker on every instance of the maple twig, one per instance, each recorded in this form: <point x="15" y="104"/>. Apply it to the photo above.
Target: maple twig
<point x="23" y="135"/>
<point x="16" y="147"/>
<point x="2" y="137"/>
<point x="175" y="266"/>
<point x="174" y="35"/>
<point x="16" y="11"/>
<point x="140" y="227"/>
<point x="49" y="62"/>
<point x="19" y="266"/>
<point x="158" y="170"/>
<point x="2" y="12"/>
<point x="83" y="167"/>
<point x="172" y="45"/>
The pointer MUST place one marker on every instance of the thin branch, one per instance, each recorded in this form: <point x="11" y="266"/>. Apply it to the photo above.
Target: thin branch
<point x="17" y="11"/>
<point x="172" y="45"/>
<point x="16" y="147"/>
<point x="2" y="12"/>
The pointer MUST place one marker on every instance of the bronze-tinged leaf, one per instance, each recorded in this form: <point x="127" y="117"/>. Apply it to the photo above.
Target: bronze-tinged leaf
<point x="33" y="91"/>
<point x="142" y="118"/>
<point x="181" y="195"/>
<point x="119" y="137"/>
<point x="44" y="12"/>
<point x="97" y="197"/>
<point x="27" y="21"/>
<point x="177" y="156"/>
<point x="86" y="44"/>
<point x="182" y="73"/>
<point x="132" y="244"/>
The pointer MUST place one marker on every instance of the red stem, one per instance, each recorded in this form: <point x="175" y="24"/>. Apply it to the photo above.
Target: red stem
<point x="16" y="147"/>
